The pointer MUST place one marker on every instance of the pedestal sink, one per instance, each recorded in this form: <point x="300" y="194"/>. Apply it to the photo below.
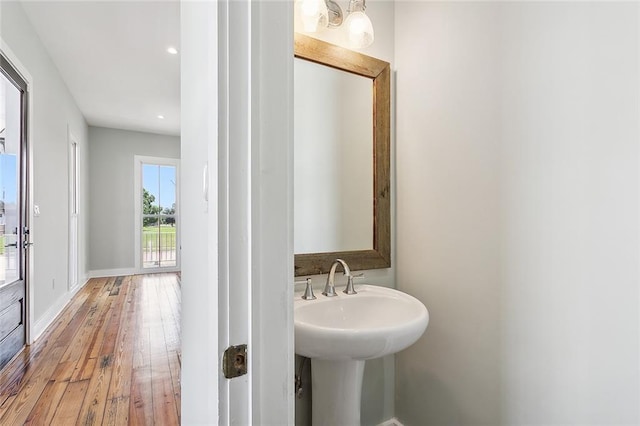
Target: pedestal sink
<point x="339" y="333"/>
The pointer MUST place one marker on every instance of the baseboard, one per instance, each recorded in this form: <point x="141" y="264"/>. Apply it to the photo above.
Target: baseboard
<point x="50" y="315"/>
<point x="391" y="422"/>
<point x="101" y="273"/>
<point x="54" y="310"/>
<point x="84" y="280"/>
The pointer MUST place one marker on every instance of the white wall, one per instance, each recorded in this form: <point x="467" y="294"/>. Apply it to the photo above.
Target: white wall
<point x="111" y="169"/>
<point x="517" y="150"/>
<point x="54" y="112"/>
<point x="378" y="383"/>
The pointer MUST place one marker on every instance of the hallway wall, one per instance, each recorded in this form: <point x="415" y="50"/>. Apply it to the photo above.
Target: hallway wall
<point x="111" y="165"/>
<point x="54" y="114"/>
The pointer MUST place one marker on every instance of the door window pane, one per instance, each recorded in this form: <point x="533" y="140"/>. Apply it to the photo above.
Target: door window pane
<point x="10" y="111"/>
<point x="159" y="246"/>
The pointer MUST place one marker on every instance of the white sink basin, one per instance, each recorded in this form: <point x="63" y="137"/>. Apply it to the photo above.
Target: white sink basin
<point x="377" y="321"/>
<point x="339" y="333"/>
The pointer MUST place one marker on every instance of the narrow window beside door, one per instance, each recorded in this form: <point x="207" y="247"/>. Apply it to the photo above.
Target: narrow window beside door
<point x="10" y="143"/>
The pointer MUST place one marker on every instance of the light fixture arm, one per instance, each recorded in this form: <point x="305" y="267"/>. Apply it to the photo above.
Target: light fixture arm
<point x="334" y="14"/>
<point x="356" y="6"/>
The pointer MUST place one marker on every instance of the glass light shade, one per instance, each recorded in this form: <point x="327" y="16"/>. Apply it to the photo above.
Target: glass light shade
<point x="359" y="30"/>
<point x="312" y="13"/>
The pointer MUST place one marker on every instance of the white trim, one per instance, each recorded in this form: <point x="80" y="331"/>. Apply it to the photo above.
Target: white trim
<point x="138" y="160"/>
<point x="235" y="204"/>
<point x="102" y="273"/>
<point x="638" y="159"/>
<point x="54" y="311"/>
<point x="391" y="422"/>
<point x="271" y="122"/>
<point x="255" y="205"/>
<point x="201" y="374"/>
<point x="26" y="76"/>
<point x="74" y="216"/>
<point x="166" y="270"/>
<point x="50" y="315"/>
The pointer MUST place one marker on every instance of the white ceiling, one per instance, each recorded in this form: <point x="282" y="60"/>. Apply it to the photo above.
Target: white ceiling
<point x="113" y="57"/>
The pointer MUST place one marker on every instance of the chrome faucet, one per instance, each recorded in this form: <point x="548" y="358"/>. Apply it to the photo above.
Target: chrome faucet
<point x="308" y="292"/>
<point x="330" y="288"/>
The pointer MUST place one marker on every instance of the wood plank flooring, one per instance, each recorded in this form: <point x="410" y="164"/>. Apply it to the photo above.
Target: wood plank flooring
<point x="112" y="357"/>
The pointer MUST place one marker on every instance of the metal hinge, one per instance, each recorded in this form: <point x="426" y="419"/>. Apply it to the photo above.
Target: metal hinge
<point x="234" y="361"/>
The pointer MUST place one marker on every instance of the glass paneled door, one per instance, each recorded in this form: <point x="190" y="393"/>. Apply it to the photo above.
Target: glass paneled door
<point x="160" y="242"/>
<point x="14" y="231"/>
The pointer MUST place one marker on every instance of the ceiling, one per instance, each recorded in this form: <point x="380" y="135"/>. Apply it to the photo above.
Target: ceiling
<point x="113" y="57"/>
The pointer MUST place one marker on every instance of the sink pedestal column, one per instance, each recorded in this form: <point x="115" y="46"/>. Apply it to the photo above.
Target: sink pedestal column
<point x="336" y="387"/>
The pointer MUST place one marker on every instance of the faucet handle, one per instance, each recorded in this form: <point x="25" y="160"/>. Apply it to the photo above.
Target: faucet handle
<point x="350" y="278"/>
<point x="308" y="292"/>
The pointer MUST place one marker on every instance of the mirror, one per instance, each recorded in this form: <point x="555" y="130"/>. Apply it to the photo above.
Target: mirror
<point x="333" y="135"/>
<point x="342" y="158"/>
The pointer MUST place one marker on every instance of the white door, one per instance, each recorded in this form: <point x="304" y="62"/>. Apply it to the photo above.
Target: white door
<point x="14" y="223"/>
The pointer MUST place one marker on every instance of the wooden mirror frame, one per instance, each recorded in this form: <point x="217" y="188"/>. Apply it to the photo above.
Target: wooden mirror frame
<point x="379" y="71"/>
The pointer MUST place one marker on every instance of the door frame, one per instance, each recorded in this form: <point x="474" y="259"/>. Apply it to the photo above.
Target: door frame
<point x="272" y="287"/>
<point x="137" y="196"/>
<point x="237" y="277"/>
<point x="74" y="268"/>
<point x="29" y="257"/>
<point x="255" y="148"/>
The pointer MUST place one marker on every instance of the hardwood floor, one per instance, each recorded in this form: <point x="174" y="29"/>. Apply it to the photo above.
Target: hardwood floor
<point x="112" y="357"/>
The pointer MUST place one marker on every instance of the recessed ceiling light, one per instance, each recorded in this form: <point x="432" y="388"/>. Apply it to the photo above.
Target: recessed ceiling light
<point x="172" y="50"/>
<point x="161" y="117"/>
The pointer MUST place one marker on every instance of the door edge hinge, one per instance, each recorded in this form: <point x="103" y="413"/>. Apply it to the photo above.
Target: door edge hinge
<point x="234" y="361"/>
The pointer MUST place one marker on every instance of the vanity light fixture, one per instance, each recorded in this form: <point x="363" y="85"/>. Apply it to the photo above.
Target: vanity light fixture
<point x="160" y="117"/>
<point x="358" y="29"/>
<point x="312" y="13"/>
<point x="172" y="50"/>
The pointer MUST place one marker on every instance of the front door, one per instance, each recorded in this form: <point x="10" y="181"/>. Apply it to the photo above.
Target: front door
<point x="13" y="225"/>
